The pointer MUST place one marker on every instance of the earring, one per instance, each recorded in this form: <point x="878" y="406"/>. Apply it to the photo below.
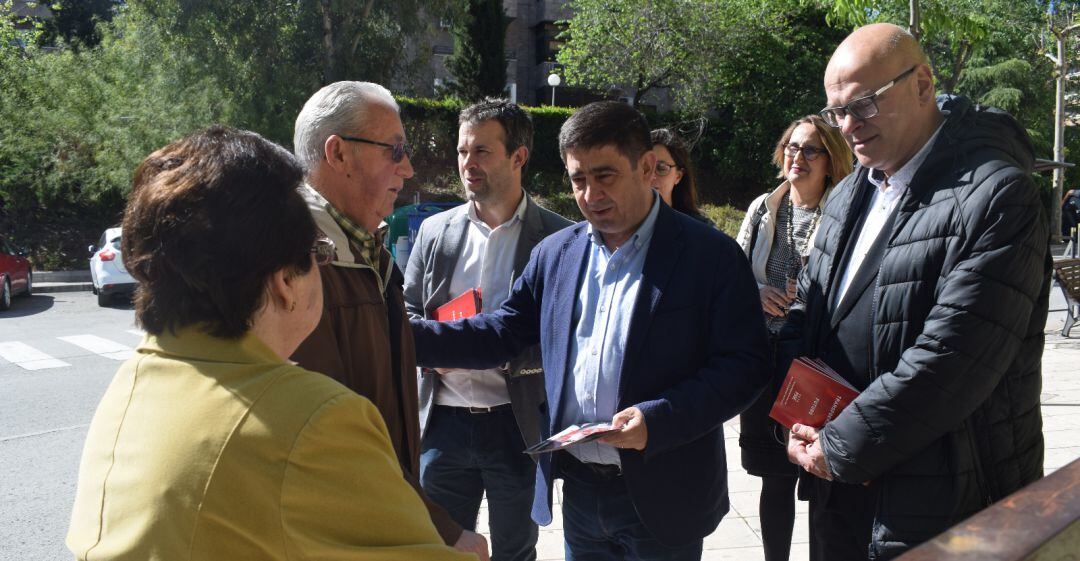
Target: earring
<point x="292" y="307"/>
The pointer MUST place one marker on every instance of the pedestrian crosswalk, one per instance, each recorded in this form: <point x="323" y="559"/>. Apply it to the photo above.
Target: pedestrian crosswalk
<point x="100" y="346"/>
<point x="80" y="346"/>
<point x="27" y="357"/>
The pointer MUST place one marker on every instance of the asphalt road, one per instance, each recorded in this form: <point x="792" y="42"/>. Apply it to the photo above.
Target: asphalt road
<point x="58" y="353"/>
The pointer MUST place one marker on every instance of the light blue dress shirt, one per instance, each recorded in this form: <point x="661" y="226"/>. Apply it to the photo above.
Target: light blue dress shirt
<point x="607" y="293"/>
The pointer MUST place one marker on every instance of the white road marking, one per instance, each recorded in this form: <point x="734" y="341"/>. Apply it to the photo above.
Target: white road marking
<point x="28" y="358"/>
<point x="138" y="332"/>
<point x="100" y="346"/>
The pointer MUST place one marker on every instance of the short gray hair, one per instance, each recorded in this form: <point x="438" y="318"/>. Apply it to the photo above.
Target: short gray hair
<point x="339" y="108"/>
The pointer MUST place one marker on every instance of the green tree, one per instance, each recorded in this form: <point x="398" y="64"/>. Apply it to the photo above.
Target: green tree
<point x="750" y="66"/>
<point x="74" y="124"/>
<point x="76" y="21"/>
<point x="270" y="55"/>
<point x="655" y="44"/>
<point x="479" y="61"/>
<point x="951" y="31"/>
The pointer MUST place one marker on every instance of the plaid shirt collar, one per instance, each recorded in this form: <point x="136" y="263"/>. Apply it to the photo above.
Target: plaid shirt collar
<point x="363" y="240"/>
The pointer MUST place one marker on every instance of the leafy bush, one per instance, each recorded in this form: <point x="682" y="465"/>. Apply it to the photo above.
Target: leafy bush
<point x="726" y="217"/>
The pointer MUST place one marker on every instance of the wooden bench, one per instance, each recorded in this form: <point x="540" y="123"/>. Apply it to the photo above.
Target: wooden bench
<point x="1067" y="275"/>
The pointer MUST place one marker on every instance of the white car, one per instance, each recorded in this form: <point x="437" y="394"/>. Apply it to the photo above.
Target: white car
<point x="107" y="271"/>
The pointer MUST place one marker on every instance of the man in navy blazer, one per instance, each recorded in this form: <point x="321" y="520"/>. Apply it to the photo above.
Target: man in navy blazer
<point x="647" y="319"/>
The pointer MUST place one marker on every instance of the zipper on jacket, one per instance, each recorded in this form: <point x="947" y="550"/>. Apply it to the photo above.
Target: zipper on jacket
<point x="872" y="368"/>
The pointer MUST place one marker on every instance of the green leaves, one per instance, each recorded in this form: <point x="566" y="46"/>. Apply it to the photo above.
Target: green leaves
<point x="642" y="46"/>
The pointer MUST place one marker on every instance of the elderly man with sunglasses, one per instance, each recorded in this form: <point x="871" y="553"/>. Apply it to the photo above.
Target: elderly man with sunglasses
<point x="350" y="140"/>
<point x="928" y="293"/>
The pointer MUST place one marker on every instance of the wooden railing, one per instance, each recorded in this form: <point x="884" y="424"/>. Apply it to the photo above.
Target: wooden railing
<point x="1040" y="522"/>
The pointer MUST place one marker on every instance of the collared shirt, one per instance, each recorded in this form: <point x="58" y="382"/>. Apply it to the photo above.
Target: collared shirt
<point x="887" y="194"/>
<point x="607" y="293"/>
<point x="486" y="261"/>
<point x="367" y="246"/>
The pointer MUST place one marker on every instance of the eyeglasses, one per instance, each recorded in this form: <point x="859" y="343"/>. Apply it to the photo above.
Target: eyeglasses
<point x="861" y="108"/>
<point x="398" y="150"/>
<point x="664" y="168"/>
<point x="808" y="152"/>
<point x="324" y="251"/>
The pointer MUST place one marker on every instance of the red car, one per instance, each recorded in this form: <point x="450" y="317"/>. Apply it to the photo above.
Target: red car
<point x="15" y="275"/>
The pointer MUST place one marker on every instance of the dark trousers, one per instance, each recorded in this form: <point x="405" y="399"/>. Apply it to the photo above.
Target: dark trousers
<point x="841" y="521"/>
<point x="462" y="455"/>
<point x="601" y="524"/>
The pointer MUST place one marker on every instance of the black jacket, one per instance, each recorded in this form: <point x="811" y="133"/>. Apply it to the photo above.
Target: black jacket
<point x="950" y="420"/>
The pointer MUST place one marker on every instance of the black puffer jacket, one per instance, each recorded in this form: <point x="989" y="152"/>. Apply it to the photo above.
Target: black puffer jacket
<point x="951" y="419"/>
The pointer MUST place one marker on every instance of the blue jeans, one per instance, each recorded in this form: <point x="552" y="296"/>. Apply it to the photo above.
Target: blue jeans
<point x="600" y="523"/>
<point x="461" y="455"/>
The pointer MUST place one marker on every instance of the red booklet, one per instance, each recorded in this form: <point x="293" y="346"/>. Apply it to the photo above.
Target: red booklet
<point x="465" y="306"/>
<point x="812" y="395"/>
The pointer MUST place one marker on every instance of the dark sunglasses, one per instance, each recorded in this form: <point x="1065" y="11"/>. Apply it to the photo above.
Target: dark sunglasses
<point x="398" y="150"/>
<point x="324" y="251"/>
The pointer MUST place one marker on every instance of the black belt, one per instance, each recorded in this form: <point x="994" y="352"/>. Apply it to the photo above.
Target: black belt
<point x="588" y="471"/>
<point x="479" y="410"/>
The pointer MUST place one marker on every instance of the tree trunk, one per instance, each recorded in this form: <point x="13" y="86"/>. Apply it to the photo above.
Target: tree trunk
<point x="329" y="43"/>
<point x="958" y="66"/>
<point x="913" y="19"/>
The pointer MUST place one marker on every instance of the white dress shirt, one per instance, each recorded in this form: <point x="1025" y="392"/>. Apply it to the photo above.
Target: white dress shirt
<point x="887" y="194"/>
<point x="486" y="262"/>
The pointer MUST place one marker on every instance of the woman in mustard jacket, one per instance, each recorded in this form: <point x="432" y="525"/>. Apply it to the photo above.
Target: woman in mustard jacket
<point x="208" y="443"/>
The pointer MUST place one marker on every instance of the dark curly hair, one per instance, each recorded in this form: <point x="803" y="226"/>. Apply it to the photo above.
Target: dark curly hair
<point x="211" y="216"/>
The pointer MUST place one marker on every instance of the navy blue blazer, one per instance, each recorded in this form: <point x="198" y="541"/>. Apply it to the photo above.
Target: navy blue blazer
<point x="696" y="356"/>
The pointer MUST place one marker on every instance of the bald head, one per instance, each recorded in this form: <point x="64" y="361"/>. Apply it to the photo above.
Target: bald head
<point x="881" y="45"/>
<point x="883" y="63"/>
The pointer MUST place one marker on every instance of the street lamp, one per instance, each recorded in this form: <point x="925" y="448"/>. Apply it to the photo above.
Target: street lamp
<point x="553" y="80"/>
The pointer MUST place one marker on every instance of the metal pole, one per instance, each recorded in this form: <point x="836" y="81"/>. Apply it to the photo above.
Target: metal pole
<point x="553" y="95"/>
<point x="1059" y="135"/>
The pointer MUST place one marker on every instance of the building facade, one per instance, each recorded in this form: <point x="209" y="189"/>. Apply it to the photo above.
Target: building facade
<point x="531" y="45"/>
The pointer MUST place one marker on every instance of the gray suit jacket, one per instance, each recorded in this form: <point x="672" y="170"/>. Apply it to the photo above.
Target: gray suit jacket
<point x="427" y="286"/>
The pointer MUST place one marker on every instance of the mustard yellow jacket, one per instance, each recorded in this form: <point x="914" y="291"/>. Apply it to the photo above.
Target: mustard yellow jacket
<point x="205" y="449"/>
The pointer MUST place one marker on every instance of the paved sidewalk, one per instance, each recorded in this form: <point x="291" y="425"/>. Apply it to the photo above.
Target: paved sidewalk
<point x="739" y="536"/>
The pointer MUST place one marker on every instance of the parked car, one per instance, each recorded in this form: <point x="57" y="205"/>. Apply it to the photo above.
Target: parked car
<point x="15" y="274"/>
<point x="110" y="278"/>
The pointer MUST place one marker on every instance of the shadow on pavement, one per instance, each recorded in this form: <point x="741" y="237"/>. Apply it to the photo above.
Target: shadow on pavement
<point x="22" y="306"/>
<point x="120" y="303"/>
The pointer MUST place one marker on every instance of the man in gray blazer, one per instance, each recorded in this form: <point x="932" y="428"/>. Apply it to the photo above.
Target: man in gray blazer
<point x="475" y="423"/>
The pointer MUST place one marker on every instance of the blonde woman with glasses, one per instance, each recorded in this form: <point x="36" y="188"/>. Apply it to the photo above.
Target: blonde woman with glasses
<point x="777" y="236"/>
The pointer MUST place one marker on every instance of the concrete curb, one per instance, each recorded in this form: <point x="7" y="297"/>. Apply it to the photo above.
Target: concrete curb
<point x="51" y="287"/>
<point x="44" y="277"/>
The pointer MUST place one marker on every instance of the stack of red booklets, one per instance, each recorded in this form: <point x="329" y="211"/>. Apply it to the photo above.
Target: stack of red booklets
<point x="813" y="394"/>
<point x="465" y="306"/>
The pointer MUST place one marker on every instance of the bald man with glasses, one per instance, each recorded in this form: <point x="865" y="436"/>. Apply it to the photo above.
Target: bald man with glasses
<point x="928" y="293"/>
